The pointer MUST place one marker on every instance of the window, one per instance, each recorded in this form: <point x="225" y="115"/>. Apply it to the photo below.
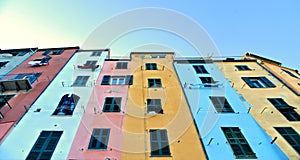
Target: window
<point x="22" y="53"/>
<point x="81" y="81"/>
<point x="154" y="83"/>
<point x="154" y="105"/>
<point x="31" y="77"/>
<point x="207" y="80"/>
<point x="4" y="99"/>
<point x="117" y="80"/>
<point x="285" y="109"/>
<point x="258" y="82"/>
<point x="291" y="136"/>
<point x="158" y="56"/>
<point x="99" y="139"/>
<point x="121" y="65"/>
<point x="67" y="105"/>
<point x="96" y="53"/>
<point x="238" y="143"/>
<point x="112" y="104"/>
<point x="151" y="66"/>
<point x="57" y="52"/>
<point x="221" y="104"/>
<point x="289" y="73"/>
<point x="159" y="143"/>
<point x="200" y="69"/>
<point x="46" y="52"/>
<point x="3" y="64"/>
<point x="45" y="145"/>
<point x="243" y="68"/>
<point x="90" y="63"/>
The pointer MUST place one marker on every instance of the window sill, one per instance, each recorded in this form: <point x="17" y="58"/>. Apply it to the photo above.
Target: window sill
<point x="245" y="157"/>
<point x="97" y="149"/>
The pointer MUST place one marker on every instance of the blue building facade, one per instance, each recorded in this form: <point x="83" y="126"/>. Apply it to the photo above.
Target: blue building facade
<point x="226" y="128"/>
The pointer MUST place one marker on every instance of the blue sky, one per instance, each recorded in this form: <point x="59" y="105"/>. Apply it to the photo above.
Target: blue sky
<point x="267" y="28"/>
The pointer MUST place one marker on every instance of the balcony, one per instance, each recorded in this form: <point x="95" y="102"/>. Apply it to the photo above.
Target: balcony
<point x="17" y="82"/>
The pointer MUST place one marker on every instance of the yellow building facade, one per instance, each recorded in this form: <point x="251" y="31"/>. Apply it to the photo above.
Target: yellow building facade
<point x="274" y="106"/>
<point x="158" y="123"/>
<point x="288" y="76"/>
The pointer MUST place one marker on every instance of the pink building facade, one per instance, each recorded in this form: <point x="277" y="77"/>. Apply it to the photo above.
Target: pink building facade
<point x="100" y="132"/>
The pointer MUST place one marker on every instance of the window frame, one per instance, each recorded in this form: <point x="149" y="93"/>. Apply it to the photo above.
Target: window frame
<point x="151" y="66"/>
<point x="4" y="99"/>
<point x="67" y="105"/>
<point x="222" y="105"/>
<point x="46" y="52"/>
<point x="48" y="139"/>
<point x="107" y="80"/>
<point x="289" y="73"/>
<point x="238" y="143"/>
<point x="110" y="107"/>
<point x="258" y="82"/>
<point x="158" y="56"/>
<point x="96" y="53"/>
<point x="117" y="80"/>
<point x="90" y="63"/>
<point x="157" y="83"/>
<point x="159" y="143"/>
<point x="57" y="51"/>
<point x="154" y="105"/>
<point x="104" y="139"/>
<point x="200" y="69"/>
<point x="3" y="63"/>
<point x="291" y="136"/>
<point x="121" y="65"/>
<point x="208" y="80"/>
<point x="286" y="110"/>
<point x="243" y="68"/>
<point x="80" y="82"/>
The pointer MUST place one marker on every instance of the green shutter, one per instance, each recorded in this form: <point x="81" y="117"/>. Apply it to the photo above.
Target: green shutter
<point x="291" y="136"/>
<point x="238" y="143"/>
<point x="45" y="145"/>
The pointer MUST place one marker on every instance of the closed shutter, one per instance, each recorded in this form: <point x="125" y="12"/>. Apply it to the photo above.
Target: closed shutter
<point x="105" y="80"/>
<point x="267" y="82"/>
<point x="291" y="136"/>
<point x="238" y="143"/>
<point x="45" y="145"/>
<point x="81" y="81"/>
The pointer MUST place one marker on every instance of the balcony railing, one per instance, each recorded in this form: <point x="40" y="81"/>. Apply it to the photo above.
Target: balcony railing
<point x="204" y="85"/>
